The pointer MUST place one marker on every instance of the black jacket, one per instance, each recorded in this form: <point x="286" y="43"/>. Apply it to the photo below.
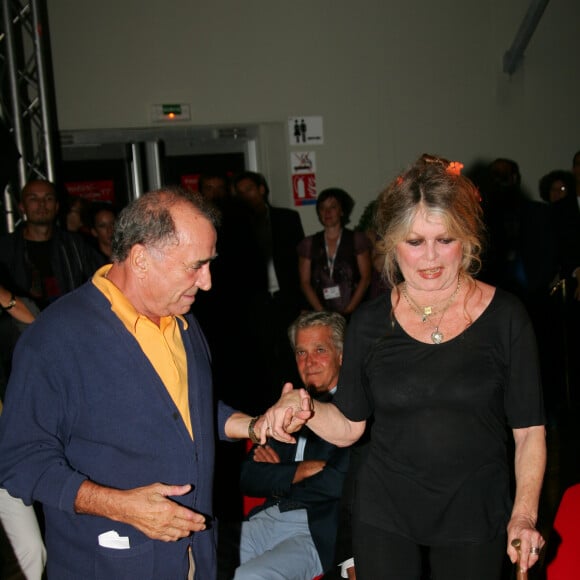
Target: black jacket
<point x="73" y="262"/>
<point x="319" y="495"/>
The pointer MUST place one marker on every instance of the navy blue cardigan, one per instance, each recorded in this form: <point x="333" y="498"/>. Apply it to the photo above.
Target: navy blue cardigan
<point x="83" y="402"/>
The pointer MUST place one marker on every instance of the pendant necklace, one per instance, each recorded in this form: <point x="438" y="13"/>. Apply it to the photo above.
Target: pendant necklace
<point x="426" y="311"/>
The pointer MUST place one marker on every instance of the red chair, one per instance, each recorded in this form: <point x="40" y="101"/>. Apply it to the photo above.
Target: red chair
<point x="249" y="503"/>
<point x="566" y="563"/>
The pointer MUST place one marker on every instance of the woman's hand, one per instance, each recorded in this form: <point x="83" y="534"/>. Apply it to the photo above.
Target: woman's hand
<point x="287" y="416"/>
<point x="523" y="528"/>
<point x="530" y="463"/>
<point x="304" y="265"/>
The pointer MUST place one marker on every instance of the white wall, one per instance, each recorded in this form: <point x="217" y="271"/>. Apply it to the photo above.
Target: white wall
<point x="390" y="79"/>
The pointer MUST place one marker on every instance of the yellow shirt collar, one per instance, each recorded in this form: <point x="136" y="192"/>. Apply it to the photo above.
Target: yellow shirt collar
<point x="121" y="306"/>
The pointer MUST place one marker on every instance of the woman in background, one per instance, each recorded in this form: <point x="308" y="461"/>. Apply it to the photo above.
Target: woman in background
<point x="76" y="216"/>
<point x="334" y="264"/>
<point x="103" y="218"/>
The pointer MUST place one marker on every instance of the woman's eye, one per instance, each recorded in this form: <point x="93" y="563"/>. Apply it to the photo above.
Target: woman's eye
<point x="446" y="240"/>
<point x="414" y="242"/>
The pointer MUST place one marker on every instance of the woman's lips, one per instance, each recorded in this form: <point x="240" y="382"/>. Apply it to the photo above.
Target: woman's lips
<point x="431" y="272"/>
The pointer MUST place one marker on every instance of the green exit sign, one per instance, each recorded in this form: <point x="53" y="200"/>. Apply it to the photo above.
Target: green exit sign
<point x="170" y="112"/>
<point x="171" y="109"/>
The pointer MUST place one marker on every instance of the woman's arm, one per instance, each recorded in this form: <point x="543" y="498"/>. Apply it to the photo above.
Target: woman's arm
<point x="16" y="309"/>
<point x="295" y="407"/>
<point x="363" y="261"/>
<point x="332" y="426"/>
<point x="530" y="463"/>
<point x="304" y="273"/>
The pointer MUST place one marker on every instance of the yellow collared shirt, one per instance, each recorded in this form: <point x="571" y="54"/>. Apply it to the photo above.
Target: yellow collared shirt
<point x="162" y="344"/>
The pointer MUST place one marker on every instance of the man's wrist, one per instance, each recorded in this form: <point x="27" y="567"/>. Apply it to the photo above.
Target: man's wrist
<point x="254" y="438"/>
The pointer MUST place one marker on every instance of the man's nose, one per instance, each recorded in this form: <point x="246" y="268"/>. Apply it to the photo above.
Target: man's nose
<point x="310" y="360"/>
<point x="204" y="278"/>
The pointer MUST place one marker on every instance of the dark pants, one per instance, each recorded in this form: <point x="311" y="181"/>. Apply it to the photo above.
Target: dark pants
<point x="379" y="554"/>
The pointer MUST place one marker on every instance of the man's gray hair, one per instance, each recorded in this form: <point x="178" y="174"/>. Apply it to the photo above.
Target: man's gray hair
<point x="334" y="320"/>
<point x="147" y="220"/>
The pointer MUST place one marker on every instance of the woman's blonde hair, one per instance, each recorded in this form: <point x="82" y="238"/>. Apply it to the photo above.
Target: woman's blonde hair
<point x="434" y="185"/>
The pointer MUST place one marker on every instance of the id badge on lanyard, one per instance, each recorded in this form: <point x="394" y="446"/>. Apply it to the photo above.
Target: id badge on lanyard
<point x="331" y="292"/>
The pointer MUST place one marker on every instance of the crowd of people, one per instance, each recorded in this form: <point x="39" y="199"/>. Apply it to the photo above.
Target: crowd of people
<point x="420" y="338"/>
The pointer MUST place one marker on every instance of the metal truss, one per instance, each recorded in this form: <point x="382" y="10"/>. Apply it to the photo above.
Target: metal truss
<point x="26" y="91"/>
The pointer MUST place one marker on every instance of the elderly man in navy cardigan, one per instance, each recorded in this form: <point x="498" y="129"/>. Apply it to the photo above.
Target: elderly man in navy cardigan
<point x="109" y="418"/>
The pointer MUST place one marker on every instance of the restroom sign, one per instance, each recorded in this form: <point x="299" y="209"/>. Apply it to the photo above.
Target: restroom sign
<point x="305" y="131"/>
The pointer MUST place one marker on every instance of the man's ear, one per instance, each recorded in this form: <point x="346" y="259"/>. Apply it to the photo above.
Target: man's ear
<point x="139" y="260"/>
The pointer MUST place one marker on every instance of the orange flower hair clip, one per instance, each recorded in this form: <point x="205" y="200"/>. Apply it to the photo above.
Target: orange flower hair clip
<point x="454" y="168"/>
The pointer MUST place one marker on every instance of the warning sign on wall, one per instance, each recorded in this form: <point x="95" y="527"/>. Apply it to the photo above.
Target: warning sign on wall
<point x="304" y="189"/>
<point x="303" y="170"/>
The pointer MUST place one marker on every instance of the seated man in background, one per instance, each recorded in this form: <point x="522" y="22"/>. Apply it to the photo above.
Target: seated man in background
<point x="292" y="535"/>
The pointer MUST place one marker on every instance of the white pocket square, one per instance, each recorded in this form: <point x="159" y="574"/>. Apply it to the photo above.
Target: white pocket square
<point x="113" y="540"/>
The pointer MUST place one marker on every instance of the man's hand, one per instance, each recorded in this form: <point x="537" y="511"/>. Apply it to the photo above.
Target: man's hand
<point x="304" y="469"/>
<point x="265" y="454"/>
<point x="308" y="468"/>
<point x="288" y="415"/>
<point x="148" y="509"/>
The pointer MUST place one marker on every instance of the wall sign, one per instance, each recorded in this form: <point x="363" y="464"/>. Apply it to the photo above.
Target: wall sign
<point x="95" y="190"/>
<point x="303" y="171"/>
<point x="305" y="131"/>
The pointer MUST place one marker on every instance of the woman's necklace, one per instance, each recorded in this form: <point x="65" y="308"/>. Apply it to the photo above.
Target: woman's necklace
<point x="426" y="311"/>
